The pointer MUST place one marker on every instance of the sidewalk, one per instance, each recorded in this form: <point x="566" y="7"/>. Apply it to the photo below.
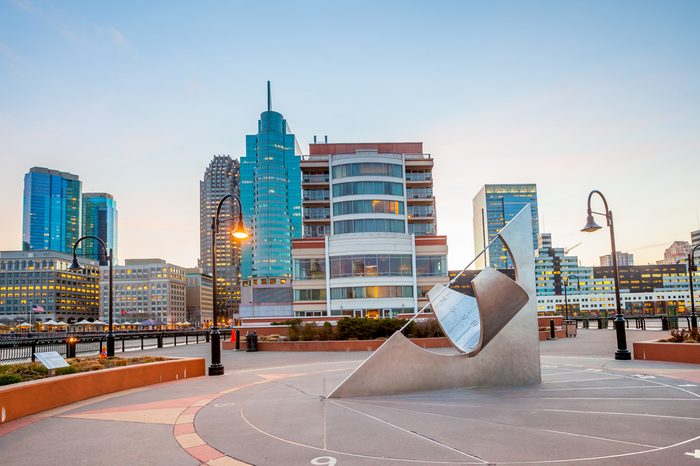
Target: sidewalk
<point x="269" y="408"/>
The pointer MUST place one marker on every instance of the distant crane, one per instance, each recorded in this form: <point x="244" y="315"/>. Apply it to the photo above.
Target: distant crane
<point x="566" y="250"/>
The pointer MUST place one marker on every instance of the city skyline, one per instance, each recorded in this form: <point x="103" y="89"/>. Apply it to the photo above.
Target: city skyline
<point x="600" y="97"/>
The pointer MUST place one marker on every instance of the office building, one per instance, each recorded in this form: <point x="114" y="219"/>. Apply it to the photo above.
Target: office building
<point x="494" y="206"/>
<point x="221" y="178"/>
<point x="623" y="259"/>
<point x="370" y="246"/>
<point x="676" y="253"/>
<point x="99" y="218"/>
<point x="51" y="215"/>
<point x="554" y="268"/>
<point x="145" y="289"/>
<point x="198" y="298"/>
<point x="37" y="286"/>
<point x="271" y="196"/>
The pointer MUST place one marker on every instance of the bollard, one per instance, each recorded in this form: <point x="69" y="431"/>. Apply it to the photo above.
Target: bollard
<point x="33" y="350"/>
<point x="238" y="340"/>
<point x="159" y="338"/>
<point x="600" y="324"/>
<point x="664" y="323"/>
<point x="70" y="347"/>
<point x="552" y="335"/>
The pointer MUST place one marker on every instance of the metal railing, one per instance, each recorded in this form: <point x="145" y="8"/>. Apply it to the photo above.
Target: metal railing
<point x="14" y="348"/>
<point x="666" y="322"/>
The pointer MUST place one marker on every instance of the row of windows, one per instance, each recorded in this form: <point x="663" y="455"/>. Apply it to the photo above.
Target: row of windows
<point x="421" y="229"/>
<point x="368" y="206"/>
<point x="369" y="225"/>
<point x="363" y="292"/>
<point x="309" y="268"/>
<point x="368" y="187"/>
<point x="431" y="266"/>
<point x="371" y="265"/>
<point x="368" y="169"/>
<point x="310" y="295"/>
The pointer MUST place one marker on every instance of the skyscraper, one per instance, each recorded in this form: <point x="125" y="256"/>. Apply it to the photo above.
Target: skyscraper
<point x="51" y="210"/>
<point x="99" y="219"/>
<point x="271" y="196"/>
<point x="494" y="206"/>
<point x="221" y="178"/>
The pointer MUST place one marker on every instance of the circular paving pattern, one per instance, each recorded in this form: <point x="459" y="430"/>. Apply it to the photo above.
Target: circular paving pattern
<point x="576" y="415"/>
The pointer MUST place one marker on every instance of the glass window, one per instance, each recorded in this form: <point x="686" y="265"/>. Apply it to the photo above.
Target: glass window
<point x="368" y="187"/>
<point x="364" y="292"/>
<point x="310" y="295"/>
<point x="369" y="225"/>
<point x="309" y="268"/>
<point x="431" y="266"/>
<point x="368" y="169"/>
<point x="368" y="206"/>
<point x="371" y="265"/>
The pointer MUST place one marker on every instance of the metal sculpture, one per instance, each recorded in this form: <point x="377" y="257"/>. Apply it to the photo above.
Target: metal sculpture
<point x="502" y="315"/>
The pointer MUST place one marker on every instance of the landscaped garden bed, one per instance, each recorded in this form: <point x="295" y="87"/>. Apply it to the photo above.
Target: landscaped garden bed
<point x="85" y="378"/>
<point x="682" y="346"/>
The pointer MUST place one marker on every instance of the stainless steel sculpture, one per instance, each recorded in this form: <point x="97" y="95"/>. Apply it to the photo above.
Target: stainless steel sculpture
<point x="503" y="315"/>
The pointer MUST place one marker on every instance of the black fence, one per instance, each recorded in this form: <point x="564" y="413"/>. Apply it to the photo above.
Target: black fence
<point x="665" y="322"/>
<point x="16" y="348"/>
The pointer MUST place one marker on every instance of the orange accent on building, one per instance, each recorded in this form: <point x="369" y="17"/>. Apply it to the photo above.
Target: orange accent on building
<point x="381" y="147"/>
<point x="431" y="241"/>
<point x="308" y="243"/>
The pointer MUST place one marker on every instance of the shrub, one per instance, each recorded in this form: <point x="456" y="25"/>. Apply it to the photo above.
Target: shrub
<point x="7" y="379"/>
<point x="326" y="331"/>
<point x="309" y="332"/>
<point x="424" y="328"/>
<point x="684" y="336"/>
<point x="363" y="328"/>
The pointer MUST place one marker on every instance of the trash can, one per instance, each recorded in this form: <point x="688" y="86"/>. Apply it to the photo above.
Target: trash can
<point x="251" y="341"/>
<point x="570" y="327"/>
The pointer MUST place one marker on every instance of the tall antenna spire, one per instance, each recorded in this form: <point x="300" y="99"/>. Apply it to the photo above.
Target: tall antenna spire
<point x="269" y="97"/>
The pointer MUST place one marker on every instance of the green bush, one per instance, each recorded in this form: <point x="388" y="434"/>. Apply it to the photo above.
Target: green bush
<point x="363" y="328"/>
<point x="66" y="370"/>
<point x="326" y="331"/>
<point x="425" y="328"/>
<point x="7" y="379"/>
<point x="309" y="332"/>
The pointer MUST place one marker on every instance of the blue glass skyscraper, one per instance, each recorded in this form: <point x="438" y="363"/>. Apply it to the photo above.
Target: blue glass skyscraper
<point x="494" y="206"/>
<point x="99" y="219"/>
<point x="271" y="197"/>
<point x="51" y="217"/>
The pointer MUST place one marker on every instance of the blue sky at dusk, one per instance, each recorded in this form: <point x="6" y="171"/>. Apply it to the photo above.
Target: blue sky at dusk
<point x="136" y="98"/>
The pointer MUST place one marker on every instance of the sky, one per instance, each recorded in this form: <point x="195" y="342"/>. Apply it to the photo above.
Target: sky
<point x="137" y="97"/>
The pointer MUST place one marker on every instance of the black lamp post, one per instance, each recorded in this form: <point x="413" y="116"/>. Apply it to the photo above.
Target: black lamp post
<point x="692" y="268"/>
<point x="216" y="368"/>
<point x="591" y="226"/>
<point x="75" y="266"/>
<point x="566" y="299"/>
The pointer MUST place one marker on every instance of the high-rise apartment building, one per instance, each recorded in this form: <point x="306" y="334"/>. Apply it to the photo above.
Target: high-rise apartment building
<point x="494" y="206"/>
<point x="99" y="219"/>
<point x="271" y="196"/>
<point x="554" y="269"/>
<point x="37" y="286"/>
<point x="370" y="246"/>
<point x="221" y="178"/>
<point x="694" y="238"/>
<point x="623" y="258"/>
<point x="676" y="253"/>
<point x="145" y="289"/>
<point x="51" y="217"/>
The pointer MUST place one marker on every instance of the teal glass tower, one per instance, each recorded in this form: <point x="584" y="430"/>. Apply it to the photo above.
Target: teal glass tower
<point x="99" y="219"/>
<point x="270" y="187"/>
<point x="494" y="206"/>
<point x="51" y="216"/>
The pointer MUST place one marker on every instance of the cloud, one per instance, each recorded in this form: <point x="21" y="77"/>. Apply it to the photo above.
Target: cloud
<point x="117" y="36"/>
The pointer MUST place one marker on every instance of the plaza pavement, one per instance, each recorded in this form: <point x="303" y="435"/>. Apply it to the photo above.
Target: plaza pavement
<point x="269" y="408"/>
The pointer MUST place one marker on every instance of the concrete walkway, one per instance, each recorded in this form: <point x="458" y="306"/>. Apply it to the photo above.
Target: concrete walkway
<point x="269" y="408"/>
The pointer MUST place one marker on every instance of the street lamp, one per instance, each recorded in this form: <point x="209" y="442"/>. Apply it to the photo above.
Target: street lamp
<point x="216" y="368"/>
<point x="75" y="266"/>
<point x="566" y="299"/>
<point x="591" y="226"/>
<point x="692" y="268"/>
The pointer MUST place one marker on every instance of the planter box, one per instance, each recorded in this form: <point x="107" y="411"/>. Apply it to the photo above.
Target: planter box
<point x="22" y="399"/>
<point x="664" y="351"/>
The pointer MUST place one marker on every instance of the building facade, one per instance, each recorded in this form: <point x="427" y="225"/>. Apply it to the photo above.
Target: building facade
<point x="99" y="218"/>
<point x="623" y="259"/>
<point x="694" y="238"/>
<point x="676" y="253"/>
<point x="554" y="268"/>
<point x="37" y="286"/>
<point x="494" y="206"/>
<point x="271" y="197"/>
<point x="370" y="246"/>
<point x="145" y="289"/>
<point x="221" y="178"/>
<point x="199" y="298"/>
<point x="51" y="212"/>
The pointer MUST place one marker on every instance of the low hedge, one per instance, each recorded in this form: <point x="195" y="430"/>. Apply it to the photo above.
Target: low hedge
<point x="359" y="328"/>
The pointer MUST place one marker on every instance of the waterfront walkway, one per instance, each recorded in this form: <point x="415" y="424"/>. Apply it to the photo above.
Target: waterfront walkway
<point x="269" y="408"/>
